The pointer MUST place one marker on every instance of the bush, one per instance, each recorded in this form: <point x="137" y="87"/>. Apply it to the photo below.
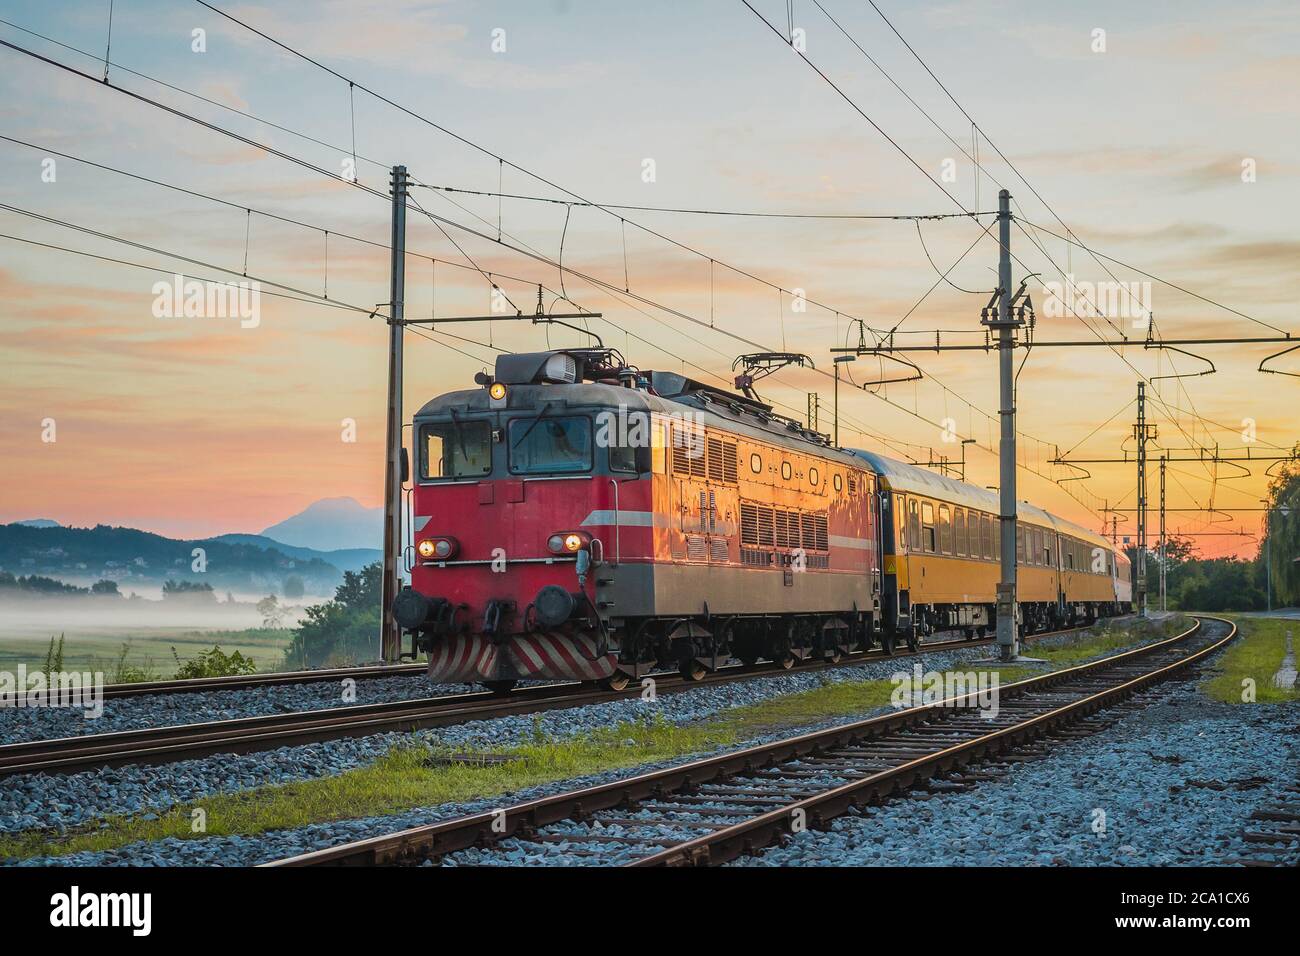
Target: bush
<point x="214" y="663"/>
<point x="124" y="673"/>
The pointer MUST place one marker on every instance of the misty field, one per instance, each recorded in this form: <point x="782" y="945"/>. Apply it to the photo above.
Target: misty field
<point x="147" y="649"/>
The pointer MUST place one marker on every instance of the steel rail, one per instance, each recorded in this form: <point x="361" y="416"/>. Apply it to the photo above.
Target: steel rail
<point x="484" y="829"/>
<point x="239" y="735"/>
<point x="194" y="685"/>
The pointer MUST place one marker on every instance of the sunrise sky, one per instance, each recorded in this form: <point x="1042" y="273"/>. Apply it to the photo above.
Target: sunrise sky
<point x="191" y="427"/>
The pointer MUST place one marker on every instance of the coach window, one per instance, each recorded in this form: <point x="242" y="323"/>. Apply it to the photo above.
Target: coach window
<point x="959" y="532"/>
<point x="913" y="525"/>
<point x="995" y="527"/>
<point x="945" y="530"/>
<point x="928" y="539"/>
<point x="786" y="470"/>
<point x="455" y="449"/>
<point x="986" y="536"/>
<point x="543" y="446"/>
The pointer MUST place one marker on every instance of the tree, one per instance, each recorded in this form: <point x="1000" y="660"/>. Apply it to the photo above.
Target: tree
<point x="271" y="611"/>
<point x="293" y="587"/>
<point x="1283" y="535"/>
<point x="188" y="590"/>
<point x="344" y="630"/>
<point x="105" y="587"/>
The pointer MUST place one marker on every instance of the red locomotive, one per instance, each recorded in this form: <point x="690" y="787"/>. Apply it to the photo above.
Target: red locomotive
<point x="575" y="517"/>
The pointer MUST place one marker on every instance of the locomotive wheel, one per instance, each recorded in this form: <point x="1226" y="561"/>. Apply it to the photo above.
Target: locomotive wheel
<point x="500" y="686"/>
<point x="785" y="661"/>
<point x="887" y="643"/>
<point x="617" y="681"/>
<point x="913" y="642"/>
<point x="748" y="661"/>
<point x="834" y="655"/>
<point x="692" y="670"/>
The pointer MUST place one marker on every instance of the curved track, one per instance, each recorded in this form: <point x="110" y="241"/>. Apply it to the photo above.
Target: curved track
<point x="251" y="734"/>
<point x="712" y="810"/>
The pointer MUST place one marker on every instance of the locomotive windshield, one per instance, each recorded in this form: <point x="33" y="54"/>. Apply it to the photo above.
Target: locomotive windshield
<point x="455" y="449"/>
<point x="544" y="445"/>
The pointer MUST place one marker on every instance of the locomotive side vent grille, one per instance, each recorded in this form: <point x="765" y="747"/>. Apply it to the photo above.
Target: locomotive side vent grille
<point x="688" y="453"/>
<point x="715" y="459"/>
<point x="719" y="550"/>
<point x="729" y="461"/>
<point x="853" y="485"/>
<point x="766" y="528"/>
<point x="782" y="528"/>
<point x="696" y="548"/>
<point x="762" y="526"/>
<point x="755" y="558"/>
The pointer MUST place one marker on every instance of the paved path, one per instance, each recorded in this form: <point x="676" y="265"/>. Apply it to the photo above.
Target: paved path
<point x="1286" y="674"/>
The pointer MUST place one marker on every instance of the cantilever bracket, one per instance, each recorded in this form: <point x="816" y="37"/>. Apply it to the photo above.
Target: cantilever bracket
<point x="1278" y="371"/>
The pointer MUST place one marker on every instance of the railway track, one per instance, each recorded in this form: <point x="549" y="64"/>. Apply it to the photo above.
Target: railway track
<point x="712" y="810"/>
<point x="251" y="734"/>
<point x="197" y="685"/>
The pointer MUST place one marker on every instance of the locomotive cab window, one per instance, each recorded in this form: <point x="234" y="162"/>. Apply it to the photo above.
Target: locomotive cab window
<point x="547" y="446"/>
<point x="622" y="458"/>
<point x="455" y="449"/>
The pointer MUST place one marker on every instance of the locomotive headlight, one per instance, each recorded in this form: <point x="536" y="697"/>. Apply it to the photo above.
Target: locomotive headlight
<point x="441" y="548"/>
<point x="566" y="542"/>
<point x="497" y="391"/>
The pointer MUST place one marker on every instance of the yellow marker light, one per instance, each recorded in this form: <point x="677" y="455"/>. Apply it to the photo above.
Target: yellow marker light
<point x="573" y="542"/>
<point x="497" y="391"/>
<point x="425" y="548"/>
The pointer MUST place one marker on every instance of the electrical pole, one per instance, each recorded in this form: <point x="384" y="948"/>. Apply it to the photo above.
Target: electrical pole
<point x="1142" y="432"/>
<point x="1006" y="324"/>
<point x="838" y="361"/>
<point x="1268" y="552"/>
<point x="1164" y="605"/>
<point x="390" y="634"/>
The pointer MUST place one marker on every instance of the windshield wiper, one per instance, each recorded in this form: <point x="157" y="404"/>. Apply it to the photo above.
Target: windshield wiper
<point x="531" y="425"/>
<point x="460" y="435"/>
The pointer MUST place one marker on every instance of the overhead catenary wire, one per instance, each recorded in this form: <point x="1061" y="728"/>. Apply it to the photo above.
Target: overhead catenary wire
<point x="329" y="173"/>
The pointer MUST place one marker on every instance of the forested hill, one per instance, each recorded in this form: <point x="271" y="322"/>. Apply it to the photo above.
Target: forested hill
<point x="130" y="557"/>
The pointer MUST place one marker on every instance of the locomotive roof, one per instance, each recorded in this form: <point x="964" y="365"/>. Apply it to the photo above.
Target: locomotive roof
<point x="909" y="478"/>
<point x="711" y="407"/>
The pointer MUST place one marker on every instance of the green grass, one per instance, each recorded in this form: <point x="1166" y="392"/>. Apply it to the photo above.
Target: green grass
<point x="98" y="649"/>
<point x="407" y="778"/>
<point x="1255" y="655"/>
<point x="1107" y="639"/>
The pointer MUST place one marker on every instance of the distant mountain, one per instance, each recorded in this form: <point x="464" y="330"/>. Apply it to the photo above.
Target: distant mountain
<point x="347" y="559"/>
<point x="39" y="523"/>
<point x="128" y="556"/>
<point x="332" y="524"/>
